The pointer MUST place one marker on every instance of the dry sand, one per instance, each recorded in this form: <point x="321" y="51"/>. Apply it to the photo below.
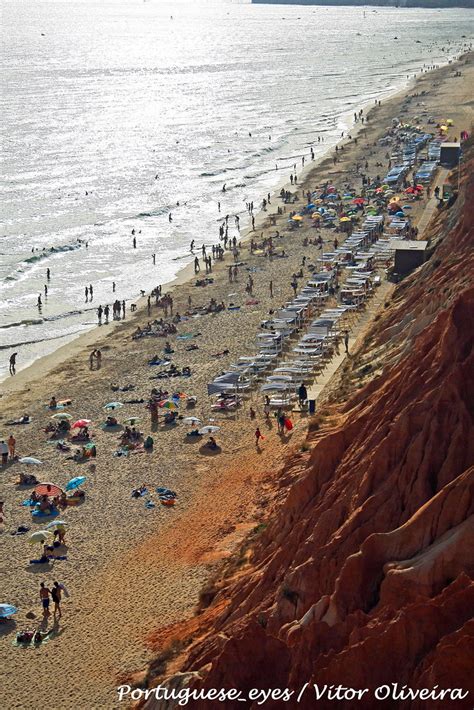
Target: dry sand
<point x="131" y="570"/>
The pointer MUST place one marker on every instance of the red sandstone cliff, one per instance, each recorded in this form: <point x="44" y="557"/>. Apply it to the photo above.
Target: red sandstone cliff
<point x="364" y="575"/>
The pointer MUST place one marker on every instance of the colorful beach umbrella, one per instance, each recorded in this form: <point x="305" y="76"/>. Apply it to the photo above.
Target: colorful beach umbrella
<point x="7" y="610"/>
<point x="359" y="201"/>
<point x="75" y="482"/>
<point x="30" y="461"/>
<point x="62" y="415"/>
<point x="131" y="420"/>
<point x="81" y="423"/>
<point x="168" y="404"/>
<point x="48" y="489"/>
<point x="297" y="218"/>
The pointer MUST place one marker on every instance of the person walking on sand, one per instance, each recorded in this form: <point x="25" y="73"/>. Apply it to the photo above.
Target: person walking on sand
<point x="346" y="341"/>
<point x="91" y="359"/>
<point x="266" y="407"/>
<point x="271" y="289"/>
<point x="44" y="598"/>
<point x="99" y="359"/>
<point x="11" y="446"/>
<point x="12" y="362"/>
<point x="56" y="593"/>
<point x="99" y="313"/>
<point x="258" y="436"/>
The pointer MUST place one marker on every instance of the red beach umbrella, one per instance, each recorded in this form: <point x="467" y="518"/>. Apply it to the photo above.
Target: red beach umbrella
<point x="48" y="489"/>
<point x="81" y="423"/>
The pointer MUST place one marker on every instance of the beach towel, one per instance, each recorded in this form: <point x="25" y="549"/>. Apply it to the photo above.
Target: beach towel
<point x="43" y="514"/>
<point x="149" y="504"/>
<point x="50" y="557"/>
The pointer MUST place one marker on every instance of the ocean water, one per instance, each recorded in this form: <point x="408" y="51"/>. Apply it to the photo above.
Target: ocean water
<point x="144" y="104"/>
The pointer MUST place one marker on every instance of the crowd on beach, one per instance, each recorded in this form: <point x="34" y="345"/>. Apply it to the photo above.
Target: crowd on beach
<point x="171" y="405"/>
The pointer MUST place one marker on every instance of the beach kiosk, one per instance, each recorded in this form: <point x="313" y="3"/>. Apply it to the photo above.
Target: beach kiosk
<point x="450" y="154"/>
<point x="408" y="255"/>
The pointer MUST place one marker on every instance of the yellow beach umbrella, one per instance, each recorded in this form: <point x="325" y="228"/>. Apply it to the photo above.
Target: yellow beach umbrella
<point x="345" y="219"/>
<point x="297" y="218"/>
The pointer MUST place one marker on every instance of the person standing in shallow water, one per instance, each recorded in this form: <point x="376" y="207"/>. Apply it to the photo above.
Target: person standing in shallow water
<point x="13" y="364"/>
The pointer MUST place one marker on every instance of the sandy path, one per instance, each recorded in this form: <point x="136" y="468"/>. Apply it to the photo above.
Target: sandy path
<point x="131" y="570"/>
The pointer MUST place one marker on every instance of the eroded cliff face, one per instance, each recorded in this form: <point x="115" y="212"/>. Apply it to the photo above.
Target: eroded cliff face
<point x="364" y="575"/>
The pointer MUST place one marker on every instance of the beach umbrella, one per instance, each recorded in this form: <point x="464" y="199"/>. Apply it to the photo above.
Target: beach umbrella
<point x="81" y="423"/>
<point x="41" y="536"/>
<point x="191" y="420"/>
<point x="297" y="218"/>
<point x="30" y="461"/>
<point x="62" y="415"/>
<point x="75" y="482"/>
<point x="56" y="524"/>
<point x="48" y="489"/>
<point x="399" y="214"/>
<point x="359" y="201"/>
<point x="7" y="610"/>
<point x="113" y="405"/>
<point x="407" y="207"/>
<point x="209" y="429"/>
<point x="316" y="215"/>
<point x="131" y="420"/>
<point x="345" y="219"/>
<point x="168" y="404"/>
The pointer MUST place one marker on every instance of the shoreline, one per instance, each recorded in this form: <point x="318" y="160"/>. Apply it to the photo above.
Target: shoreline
<point x="44" y="364"/>
<point x="131" y="570"/>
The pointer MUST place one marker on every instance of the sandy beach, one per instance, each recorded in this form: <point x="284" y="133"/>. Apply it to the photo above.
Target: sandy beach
<point x="132" y="571"/>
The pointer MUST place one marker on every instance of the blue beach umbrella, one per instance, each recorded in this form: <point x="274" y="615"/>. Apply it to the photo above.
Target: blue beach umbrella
<point x="399" y="214"/>
<point x="7" y="610"/>
<point x="75" y="482"/>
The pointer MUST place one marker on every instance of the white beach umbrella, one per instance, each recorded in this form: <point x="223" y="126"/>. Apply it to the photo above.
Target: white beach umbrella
<point x="209" y="429"/>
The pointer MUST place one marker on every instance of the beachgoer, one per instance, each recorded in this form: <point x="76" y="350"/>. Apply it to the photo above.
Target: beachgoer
<point x="346" y="341"/>
<point x="56" y="593"/>
<point x="4" y="452"/>
<point x="266" y="407"/>
<point x="44" y="597"/>
<point x="11" y="446"/>
<point x="13" y="364"/>
<point x="48" y="274"/>
<point x="258" y="436"/>
<point x="98" y="355"/>
<point x="302" y="394"/>
<point x="39" y="302"/>
<point x="91" y="359"/>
